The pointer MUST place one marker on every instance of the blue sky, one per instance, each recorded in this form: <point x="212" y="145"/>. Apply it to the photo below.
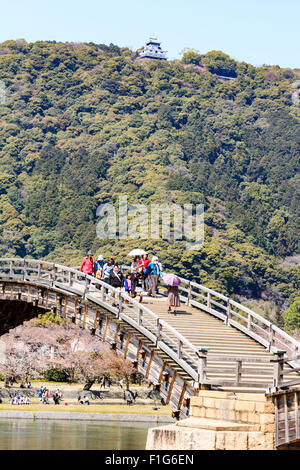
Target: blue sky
<point x="256" y="31"/>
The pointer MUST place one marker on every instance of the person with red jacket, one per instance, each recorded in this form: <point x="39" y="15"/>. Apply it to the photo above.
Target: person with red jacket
<point x="87" y="264"/>
<point x="143" y="263"/>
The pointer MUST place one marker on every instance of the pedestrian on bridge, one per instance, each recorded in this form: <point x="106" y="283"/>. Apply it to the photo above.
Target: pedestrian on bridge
<point x="138" y="285"/>
<point x="172" y="282"/>
<point x="87" y="265"/>
<point x="107" y="270"/>
<point x="129" y="287"/>
<point x="173" y="298"/>
<point x="98" y="267"/>
<point x="134" y="267"/>
<point x="116" y="279"/>
<point x="153" y="272"/>
<point x="143" y="265"/>
<point x="143" y="262"/>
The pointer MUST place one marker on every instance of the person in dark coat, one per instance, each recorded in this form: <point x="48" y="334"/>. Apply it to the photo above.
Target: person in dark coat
<point x="116" y="279"/>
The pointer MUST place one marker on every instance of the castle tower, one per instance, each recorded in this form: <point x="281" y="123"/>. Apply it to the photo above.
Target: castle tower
<point x="152" y="50"/>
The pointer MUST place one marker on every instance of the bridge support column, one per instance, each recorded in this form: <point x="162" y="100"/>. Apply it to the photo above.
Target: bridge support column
<point x="220" y="421"/>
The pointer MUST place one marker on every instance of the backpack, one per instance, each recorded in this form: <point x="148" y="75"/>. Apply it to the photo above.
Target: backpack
<point x="99" y="273"/>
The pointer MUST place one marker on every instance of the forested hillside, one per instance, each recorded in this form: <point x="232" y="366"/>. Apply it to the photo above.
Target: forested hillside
<point x="84" y="123"/>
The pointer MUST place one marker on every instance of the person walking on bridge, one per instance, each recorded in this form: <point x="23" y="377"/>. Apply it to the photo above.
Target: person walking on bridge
<point x="173" y="282"/>
<point x="87" y="265"/>
<point x="98" y="267"/>
<point x="153" y="272"/>
<point x="143" y="265"/>
<point x="134" y="267"/>
<point x="107" y="270"/>
<point x="116" y="279"/>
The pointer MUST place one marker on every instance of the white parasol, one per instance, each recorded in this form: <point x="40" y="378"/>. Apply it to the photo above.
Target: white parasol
<point x="137" y="252"/>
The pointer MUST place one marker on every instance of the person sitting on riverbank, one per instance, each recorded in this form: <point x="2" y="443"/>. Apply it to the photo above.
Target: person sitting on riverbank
<point x="20" y="400"/>
<point x="129" y="399"/>
<point x="86" y="400"/>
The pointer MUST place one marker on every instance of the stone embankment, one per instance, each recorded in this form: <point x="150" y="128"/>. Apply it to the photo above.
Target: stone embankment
<point x="220" y="421"/>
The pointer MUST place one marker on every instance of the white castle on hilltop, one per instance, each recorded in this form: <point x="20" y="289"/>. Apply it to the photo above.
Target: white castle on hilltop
<point x="152" y="50"/>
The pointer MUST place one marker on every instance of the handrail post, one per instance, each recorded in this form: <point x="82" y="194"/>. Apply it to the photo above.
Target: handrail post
<point x="278" y="368"/>
<point x="249" y="321"/>
<point x="39" y="271"/>
<point x="189" y="296"/>
<point x="208" y="299"/>
<point x="103" y="294"/>
<point x="86" y="286"/>
<point x="202" y="364"/>
<point x="158" y="330"/>
<point x="54" y="272"/>
<point x="271" y="337"/>
<point x="70" y="281"/>
<point x="120" y="309"/>
<point x="228" y="313"/>
<point x="140" y="316"/>
<point x="179" y="349"/>
<point x="24" y="270"/>
<point x="11" y="268"/>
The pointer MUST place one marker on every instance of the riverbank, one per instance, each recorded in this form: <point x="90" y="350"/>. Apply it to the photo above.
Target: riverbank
<point x="105" y="405"/>
<point x="86" y="416"/>
<point x="97" y="408"/>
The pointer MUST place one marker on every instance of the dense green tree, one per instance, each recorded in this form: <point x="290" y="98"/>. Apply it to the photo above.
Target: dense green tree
<point x="292" y="316"/>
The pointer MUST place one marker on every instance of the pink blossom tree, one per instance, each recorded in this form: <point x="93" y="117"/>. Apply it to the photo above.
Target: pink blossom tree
<point x="37" y="345"/>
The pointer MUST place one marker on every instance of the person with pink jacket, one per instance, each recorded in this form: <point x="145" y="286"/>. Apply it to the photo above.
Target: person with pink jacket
<point x="87" y="264"/>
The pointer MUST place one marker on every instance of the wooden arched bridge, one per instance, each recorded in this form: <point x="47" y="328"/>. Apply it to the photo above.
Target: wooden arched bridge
<point x="212" y="342"/>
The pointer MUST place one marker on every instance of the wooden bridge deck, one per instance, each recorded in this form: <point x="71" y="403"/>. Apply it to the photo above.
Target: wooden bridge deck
<point x="205" y="331"/>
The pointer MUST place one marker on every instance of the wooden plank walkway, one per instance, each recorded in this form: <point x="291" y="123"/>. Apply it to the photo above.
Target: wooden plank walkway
<point x="205" y="330"/>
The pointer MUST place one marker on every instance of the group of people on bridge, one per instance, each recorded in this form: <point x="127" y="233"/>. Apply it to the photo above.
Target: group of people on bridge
<point x="144" y="276"/>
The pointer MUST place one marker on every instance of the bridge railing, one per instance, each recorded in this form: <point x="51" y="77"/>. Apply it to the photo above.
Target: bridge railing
<point x="239" y="369"/>
<point x="237" y="315"/>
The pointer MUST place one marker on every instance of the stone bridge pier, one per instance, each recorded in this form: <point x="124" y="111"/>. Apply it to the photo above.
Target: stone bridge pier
<point x="233" y="421"/>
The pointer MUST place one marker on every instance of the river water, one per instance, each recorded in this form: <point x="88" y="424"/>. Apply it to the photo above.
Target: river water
<point x="25" y="434"/>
